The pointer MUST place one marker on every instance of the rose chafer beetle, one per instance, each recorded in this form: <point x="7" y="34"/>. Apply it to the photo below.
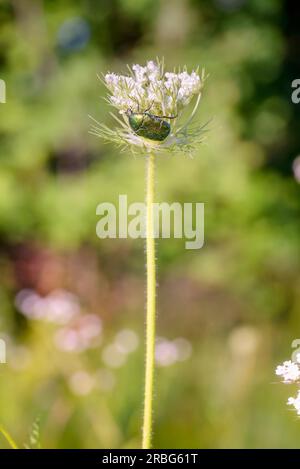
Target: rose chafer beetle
<point x="147" y="125"/>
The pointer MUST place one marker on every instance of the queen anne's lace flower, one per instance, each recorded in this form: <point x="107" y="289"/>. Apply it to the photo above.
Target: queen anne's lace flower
<point x="289" y="371"/>
<point x="150" y="89"/>
<point x="295" y="401"/>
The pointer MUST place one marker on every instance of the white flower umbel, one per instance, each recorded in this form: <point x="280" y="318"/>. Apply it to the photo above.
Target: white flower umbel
<point x="289" y="371"/>
<point x="295" y="401"/>
<point x="150" y="89"/>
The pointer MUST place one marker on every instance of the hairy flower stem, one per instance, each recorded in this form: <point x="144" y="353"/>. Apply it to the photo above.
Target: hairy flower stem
<point x="151" y="300"/>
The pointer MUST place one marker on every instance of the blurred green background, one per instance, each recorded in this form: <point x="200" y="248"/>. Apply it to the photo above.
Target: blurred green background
<point x="72" y="305"/>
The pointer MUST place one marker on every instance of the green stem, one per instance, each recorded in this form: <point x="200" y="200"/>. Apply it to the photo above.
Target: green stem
<point x="151" y="300"/>
<point x="8" y="438"/>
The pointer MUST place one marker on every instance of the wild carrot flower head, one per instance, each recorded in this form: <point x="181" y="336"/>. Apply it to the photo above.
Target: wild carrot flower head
<point x="153" y="100"/>
<point x="289" y="371"/>
<point x="295" y="402"/>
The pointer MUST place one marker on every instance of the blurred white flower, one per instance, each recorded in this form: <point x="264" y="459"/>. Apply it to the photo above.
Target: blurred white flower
<point x="81" y="382"/>
<point x="296" y="168"/>
<point x="184" y="348"/>
<point x="59" y="306"/>
<point x="115" y="354"/>
<point x="289" y="371"/>
<point x="81" y="334"/>
<point x="295" y="401"/>
<point x="126" y="341"/>
<point x="165" y="352"/>
<point x="244" y="341"/>
<point x="113" y="357"/>
<point x="168" y="352"/>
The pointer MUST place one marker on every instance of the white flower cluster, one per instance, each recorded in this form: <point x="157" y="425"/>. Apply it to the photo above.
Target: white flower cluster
<point x="168" y="352"/>
<point x="290" y="373"/>
<point x="295" y="401"/>
<point x="150" y="88"/>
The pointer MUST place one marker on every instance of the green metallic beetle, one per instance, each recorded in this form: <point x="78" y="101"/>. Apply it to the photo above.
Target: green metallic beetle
<point x="149" y="125"/>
